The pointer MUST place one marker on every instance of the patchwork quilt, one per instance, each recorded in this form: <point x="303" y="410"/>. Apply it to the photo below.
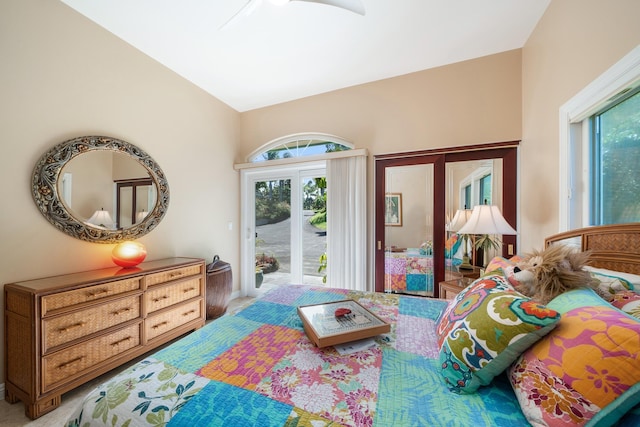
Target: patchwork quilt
<point x="258" y="368"/>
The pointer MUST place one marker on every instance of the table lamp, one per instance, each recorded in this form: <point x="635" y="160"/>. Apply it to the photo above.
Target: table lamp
<point x="101" y="218"/>
<point x="487" y="220"/>
<point x="459" y="220"/>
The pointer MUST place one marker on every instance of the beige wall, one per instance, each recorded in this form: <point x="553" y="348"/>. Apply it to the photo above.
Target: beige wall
<point x="575" y="42"/>
<point x="466" y="103"/>
<point x="415" y="185"/>
<point x="62" y="76"/>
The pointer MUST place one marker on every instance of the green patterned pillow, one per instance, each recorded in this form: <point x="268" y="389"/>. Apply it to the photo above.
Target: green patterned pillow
<point x="484" y="329"/>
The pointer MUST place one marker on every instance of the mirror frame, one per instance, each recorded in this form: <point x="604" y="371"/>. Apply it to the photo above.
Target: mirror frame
<point x="44" y="188"/>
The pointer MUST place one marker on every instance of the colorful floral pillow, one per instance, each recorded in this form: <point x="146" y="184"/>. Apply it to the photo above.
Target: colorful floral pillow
<point x="632" y="279"/>
<point x="610" y="285"/>
<point x="627" y="301"/>
<point x="452" y="245"/>
<point x="586" y="371"/>
<point x="484" y="329"/>
<point x="501" y="263"/>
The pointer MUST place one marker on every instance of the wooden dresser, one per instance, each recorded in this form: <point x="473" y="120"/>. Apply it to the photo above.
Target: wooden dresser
<point x="63" y="331"/>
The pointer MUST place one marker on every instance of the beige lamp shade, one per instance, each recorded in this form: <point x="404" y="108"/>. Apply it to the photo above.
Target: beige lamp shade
<point x="486" y="219"/>
<point x="101" y="218"/>
<point x="459" y="220"/>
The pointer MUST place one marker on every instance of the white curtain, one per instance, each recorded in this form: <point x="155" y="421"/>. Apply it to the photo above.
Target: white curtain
<point x="347" y="223"/>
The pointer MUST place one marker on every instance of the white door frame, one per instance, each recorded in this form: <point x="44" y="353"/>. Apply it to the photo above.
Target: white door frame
<point x="248" y="178"/>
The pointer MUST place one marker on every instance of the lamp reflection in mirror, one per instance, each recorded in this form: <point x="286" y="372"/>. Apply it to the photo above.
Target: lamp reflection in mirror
<point x="487" y="221"/>
<point x="141" y="215"/>
<point x="128" y="254"/>
<point x="459" y="220"/>
<point x="101" y="218"/>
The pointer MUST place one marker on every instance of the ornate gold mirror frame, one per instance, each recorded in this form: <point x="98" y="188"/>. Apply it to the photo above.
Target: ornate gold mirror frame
<point x="47" y="173"/>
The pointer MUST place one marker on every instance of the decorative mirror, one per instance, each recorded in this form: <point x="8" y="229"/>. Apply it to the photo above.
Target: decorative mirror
<point x="100" y="189"/>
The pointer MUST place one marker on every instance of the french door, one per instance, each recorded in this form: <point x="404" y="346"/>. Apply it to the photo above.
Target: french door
<point x="279" y="244"/>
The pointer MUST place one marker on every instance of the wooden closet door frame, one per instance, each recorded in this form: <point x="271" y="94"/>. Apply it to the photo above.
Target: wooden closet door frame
<point x="507" y="151"/>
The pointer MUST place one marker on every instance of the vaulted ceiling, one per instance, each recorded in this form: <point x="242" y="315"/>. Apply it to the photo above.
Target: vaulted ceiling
<point x="281" y="53"/>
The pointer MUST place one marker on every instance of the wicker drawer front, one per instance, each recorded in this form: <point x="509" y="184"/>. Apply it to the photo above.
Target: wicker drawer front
<point x="164" y="322"/>
<point x="63" y="329"/>
<point x="165" y="296"/>
<point x="91" y="293"/>
<point x="177" y="273"/>
<point x="65" y="365"/>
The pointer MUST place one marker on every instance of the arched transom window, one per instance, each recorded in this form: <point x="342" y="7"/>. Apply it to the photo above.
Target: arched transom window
<point x="299" y="145"/>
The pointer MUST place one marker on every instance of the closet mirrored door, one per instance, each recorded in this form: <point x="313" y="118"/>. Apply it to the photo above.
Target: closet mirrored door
<point x="408" y="229"/>
<point x="417" y="197"/>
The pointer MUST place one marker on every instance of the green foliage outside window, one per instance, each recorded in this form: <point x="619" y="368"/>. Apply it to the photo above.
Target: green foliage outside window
<point x="616" y="163"/>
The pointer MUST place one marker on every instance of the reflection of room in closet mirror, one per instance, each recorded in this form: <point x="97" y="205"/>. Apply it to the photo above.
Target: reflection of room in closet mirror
<point x="470" y="183"/>
<point x="465" y="187"/>
<point x="414" y="183"/>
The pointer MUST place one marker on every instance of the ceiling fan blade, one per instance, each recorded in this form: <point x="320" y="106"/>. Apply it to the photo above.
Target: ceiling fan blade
<point x="354" y="6"/>
<point x="246" y="10"/>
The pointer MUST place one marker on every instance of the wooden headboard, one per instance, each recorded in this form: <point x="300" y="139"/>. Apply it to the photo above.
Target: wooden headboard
<point x="615" y="247"/>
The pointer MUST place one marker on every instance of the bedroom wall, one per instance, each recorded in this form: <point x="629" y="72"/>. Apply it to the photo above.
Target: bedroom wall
<point x="470" y="102"/>
<point x="465" y="103"/>
<point x="574" y="43"/>
<point x="62" y="76"/>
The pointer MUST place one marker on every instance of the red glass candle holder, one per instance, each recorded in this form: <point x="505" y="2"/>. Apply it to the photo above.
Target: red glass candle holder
<point x="128" y="254"/>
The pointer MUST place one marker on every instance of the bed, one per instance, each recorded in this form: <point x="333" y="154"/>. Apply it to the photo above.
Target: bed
<point x="410" y="270"/>
<point x="256" y="367"/>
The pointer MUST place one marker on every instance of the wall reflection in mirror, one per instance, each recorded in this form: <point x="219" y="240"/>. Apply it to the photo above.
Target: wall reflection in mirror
<point x="107" y="189"/>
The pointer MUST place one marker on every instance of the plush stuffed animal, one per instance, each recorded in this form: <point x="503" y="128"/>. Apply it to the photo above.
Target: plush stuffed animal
<point x="543" y="275"/>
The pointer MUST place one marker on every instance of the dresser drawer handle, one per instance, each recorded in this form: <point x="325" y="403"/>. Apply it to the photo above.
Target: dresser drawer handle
<point x="189" y="290"/>
<point x="160" y="298"/>
<point x="175" y="274"/>
<point x="70" y="362"/>
<point x="159" y="325"/>
<point x="119" y="312"/>
<point x="117" y="343"/>
<point x="68" y="328"/>
<point x="188" y="312"/>
<point x="96" y="293"/>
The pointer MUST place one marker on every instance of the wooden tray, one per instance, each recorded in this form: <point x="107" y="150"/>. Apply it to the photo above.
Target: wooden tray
<point x="324" y="329"/>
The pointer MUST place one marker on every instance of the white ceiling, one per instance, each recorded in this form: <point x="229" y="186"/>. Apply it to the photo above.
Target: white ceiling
<point x="282" y="53"/>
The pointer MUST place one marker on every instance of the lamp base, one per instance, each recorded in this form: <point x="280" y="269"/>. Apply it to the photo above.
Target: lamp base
<point x="465" y="263"/>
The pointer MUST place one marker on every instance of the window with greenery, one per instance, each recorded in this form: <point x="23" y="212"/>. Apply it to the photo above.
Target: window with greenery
<point x="476" y="188"/>
<point x="467" y="197"/>
<point x="615" y="162"/>
<point x="290" y="148"/>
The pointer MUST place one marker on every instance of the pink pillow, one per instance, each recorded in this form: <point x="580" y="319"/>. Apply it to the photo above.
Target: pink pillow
<point x="586" y="370"/>
<point x="627" y="301"/>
